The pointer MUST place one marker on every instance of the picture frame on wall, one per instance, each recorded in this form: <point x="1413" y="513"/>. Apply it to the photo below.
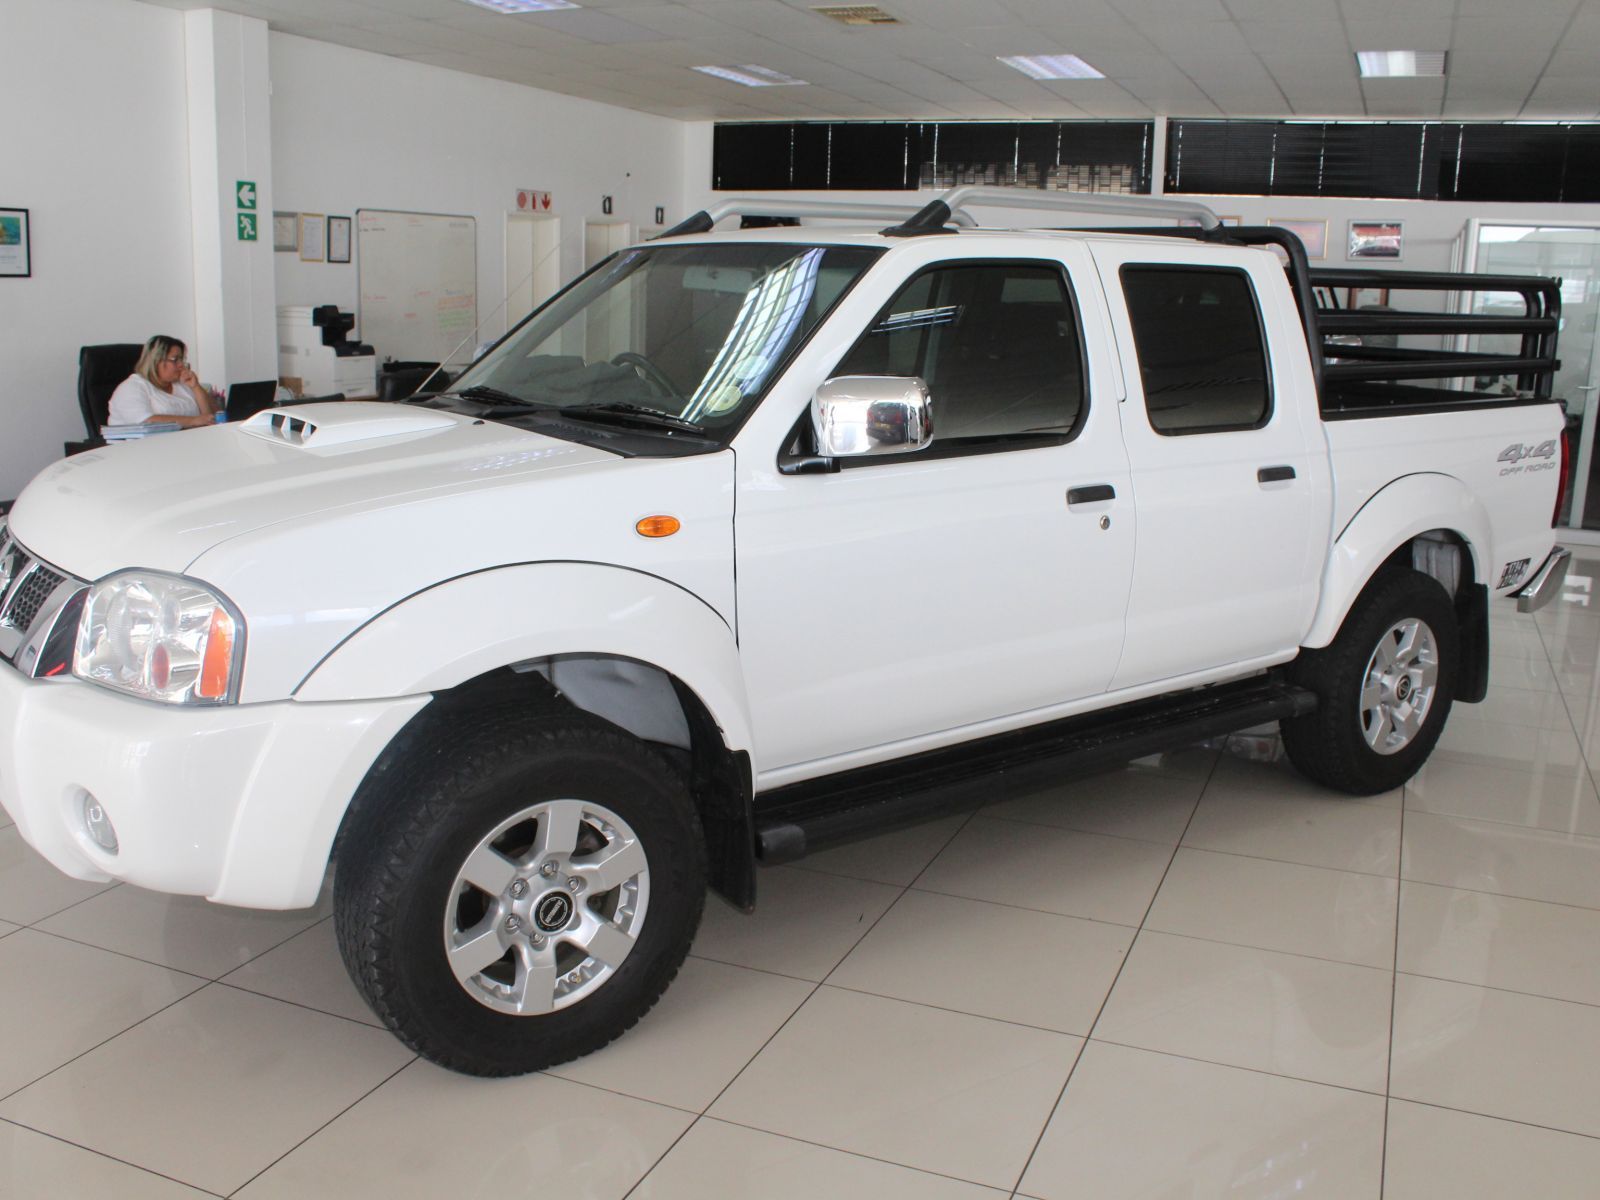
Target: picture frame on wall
<point x="286" y="232"/>
<point x="1313" y="233"/>
<point x="338" y="239"/>
<point x="1376" y="239"/>
<point x="16" y="258"/>
<point x="313" y="237"/>
<point x="1366" y="297"/>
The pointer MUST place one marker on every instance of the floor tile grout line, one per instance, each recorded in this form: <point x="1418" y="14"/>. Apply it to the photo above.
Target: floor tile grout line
<point x="69" y="907"/>
<point x="1394" y="991"/>
<point x="1472" y="1112"/>
<point x="1504" y="991"/>
<point x="56" y="1137"/>
<point x="1501" y="895"/>
<point x="1218" y="941"/>
<point x="1567" y="704"/>
<point x="123" y="954"/>
<point x="104" y="1041"/>
<point x="1430" y="812"/>
<point x="364" y="1095"/>
<point x="1216" y="1062"/>
<point x="889" y="1162"/>
<point x="1106" y="999"/>
<point x="816" y="985"/>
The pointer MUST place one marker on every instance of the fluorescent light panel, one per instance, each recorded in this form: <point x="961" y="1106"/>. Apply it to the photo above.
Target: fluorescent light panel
<point x="1399" y="64"/>
<point x="522" y="6"/>
<point x="753" y="76"/>
<point x="1051" y="66"/>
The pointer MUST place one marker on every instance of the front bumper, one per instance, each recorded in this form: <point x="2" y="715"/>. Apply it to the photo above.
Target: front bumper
<point x="1546" y="582"/>
<point x="237" y="803"/>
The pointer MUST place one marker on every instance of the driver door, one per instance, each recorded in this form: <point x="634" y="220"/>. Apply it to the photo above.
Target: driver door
<point x="911" y="601"/>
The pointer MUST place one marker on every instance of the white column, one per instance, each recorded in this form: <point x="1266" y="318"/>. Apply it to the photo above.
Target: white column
<point x="230" y="141"/>
<point x="1158" y="158"/>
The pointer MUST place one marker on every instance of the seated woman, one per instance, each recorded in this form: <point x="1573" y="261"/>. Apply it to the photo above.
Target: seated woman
<point x="163" y="388"/>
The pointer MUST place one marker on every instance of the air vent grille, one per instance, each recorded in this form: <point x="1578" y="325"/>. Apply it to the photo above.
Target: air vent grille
<point x="857" y="14"/>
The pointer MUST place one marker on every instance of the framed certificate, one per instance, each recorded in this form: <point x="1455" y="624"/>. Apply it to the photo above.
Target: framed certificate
<point x="338" y="239"/>
<point x="286" y="231"/>
<point x="313" y="237"/>
<point x="16" y="261"/>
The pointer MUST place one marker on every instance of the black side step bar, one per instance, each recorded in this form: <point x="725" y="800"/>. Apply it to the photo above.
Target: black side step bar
<point x="793" y="821"/>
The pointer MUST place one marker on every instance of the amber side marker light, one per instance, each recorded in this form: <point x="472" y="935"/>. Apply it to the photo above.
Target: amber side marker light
<point x="653" y="527"/>
<point x="217" y="662"/>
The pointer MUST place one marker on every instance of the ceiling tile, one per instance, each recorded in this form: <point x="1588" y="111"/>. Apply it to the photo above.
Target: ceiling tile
<point x="1399" y="34"/>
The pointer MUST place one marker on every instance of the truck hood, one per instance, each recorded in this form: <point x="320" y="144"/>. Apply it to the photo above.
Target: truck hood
<point x="163" y="501"/>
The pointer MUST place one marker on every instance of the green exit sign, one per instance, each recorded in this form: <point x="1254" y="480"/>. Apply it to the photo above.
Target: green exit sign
<point x="245" y="190"/>
<point x="247" y="227"/>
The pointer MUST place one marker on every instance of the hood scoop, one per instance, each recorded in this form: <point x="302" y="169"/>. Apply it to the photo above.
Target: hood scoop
<point x="342" y="423"/>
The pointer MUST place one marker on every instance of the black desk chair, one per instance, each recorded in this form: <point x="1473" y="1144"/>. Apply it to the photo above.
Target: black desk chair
<point x="100" y="369"/>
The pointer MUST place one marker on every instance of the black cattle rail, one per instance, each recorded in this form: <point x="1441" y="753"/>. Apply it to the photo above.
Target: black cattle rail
<point x="1365" y="367"/>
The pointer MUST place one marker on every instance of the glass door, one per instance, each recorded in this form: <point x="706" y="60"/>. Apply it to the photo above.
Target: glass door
<point x="1572" y="254"/>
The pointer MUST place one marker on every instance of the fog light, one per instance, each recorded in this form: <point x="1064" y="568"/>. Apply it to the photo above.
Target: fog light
<point x="98" y="824"/>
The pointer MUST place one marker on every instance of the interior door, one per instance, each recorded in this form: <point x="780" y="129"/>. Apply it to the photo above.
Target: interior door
<point x="1227" y="455"/>
<point x="982" y="578"/>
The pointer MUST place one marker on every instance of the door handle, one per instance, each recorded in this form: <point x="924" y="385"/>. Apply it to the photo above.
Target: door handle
<point x="1091" y="493"/>
<point x="1274" y="474"/>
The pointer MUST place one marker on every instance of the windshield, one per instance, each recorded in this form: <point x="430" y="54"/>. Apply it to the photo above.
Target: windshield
<point x="693" y="332"/>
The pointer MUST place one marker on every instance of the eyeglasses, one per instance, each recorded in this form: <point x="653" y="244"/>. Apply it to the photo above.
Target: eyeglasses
<point x="176" y="360"/>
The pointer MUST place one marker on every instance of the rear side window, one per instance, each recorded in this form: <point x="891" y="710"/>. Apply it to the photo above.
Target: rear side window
<point x="996" y="343"/>
<point x="1201" y="353"/>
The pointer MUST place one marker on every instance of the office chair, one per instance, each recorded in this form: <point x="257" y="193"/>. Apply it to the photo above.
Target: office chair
<point x="100" y="369"/>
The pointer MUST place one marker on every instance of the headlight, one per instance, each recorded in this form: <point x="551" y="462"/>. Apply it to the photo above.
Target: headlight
<point x="160" y="637"/>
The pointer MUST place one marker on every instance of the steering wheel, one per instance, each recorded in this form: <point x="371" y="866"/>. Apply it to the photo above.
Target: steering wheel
<point x="653" y="374"/>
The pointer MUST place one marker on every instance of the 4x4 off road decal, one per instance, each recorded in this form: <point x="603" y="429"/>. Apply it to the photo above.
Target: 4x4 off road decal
<point x="1517" y="455"/>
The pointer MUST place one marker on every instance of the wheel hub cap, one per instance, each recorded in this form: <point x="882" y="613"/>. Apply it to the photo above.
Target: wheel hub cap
<point x="1398" y="689"/>
<point x="546" y="907"/>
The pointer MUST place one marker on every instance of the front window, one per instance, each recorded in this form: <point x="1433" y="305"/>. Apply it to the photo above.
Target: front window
<point x="692" y="333"/>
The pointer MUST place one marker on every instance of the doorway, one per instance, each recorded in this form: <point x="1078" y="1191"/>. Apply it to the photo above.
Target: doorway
<point x="603" y="238"/>
<point x="1572" y="253"/>
<point x="533" y="262"/>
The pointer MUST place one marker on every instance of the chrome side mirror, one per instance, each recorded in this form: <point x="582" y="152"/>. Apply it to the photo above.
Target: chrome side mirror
<point x="858" y="415"/>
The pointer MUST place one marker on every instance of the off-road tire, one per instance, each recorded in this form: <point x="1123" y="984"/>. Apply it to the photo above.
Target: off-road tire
<point x="1330" y="745"/>
<point x="420" y="819"/>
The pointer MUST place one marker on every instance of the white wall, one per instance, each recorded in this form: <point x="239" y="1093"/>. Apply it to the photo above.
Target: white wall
<point x="354" y="130"/>
<point x="95" y="147"/>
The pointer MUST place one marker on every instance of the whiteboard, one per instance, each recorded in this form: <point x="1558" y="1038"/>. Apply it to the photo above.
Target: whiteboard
<point x="419" y="284"/>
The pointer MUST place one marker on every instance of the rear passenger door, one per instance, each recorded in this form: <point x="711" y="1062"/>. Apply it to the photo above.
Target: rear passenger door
<point x="1227" y="455"/>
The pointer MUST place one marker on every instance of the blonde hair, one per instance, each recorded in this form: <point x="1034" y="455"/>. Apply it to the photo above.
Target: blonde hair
<point x="156" y="349"/>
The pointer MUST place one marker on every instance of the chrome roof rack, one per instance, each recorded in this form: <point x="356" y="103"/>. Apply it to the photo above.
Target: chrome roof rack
<point x="751" y="206"/>
<point x="949" y="209"/>
<point x="937" y="214"/>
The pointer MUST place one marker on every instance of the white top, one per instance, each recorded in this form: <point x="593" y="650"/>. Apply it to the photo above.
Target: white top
<point x="137" y="399"/>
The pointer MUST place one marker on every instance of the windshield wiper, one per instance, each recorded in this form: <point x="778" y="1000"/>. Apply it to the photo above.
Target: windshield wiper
<point x="493" y="395"/>
<point x="632" y="414"/>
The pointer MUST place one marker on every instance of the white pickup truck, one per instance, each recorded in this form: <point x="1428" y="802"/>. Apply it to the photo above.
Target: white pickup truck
<point x="747" y="543"/>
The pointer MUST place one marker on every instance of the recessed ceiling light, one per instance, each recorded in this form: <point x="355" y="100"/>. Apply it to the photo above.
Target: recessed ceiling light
<point x="753" y="76"/>
<point x="522" y="6"/>
<point x="1391" y="64"/>
<point x="1051" y="66"/>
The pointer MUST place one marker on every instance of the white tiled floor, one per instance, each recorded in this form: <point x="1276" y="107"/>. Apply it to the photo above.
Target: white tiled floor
<point x="1197" y="976"/>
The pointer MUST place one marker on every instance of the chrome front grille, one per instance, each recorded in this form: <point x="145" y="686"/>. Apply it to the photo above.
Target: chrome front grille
<point x="33" y="588"/>
<point x="34" y="602"/>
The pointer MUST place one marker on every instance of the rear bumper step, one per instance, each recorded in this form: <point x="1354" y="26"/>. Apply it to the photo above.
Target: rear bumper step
<point x="792" y="822"/>
<point x="1546" y="584"/>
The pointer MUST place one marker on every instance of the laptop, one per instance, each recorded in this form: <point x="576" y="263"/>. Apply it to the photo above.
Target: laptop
<point x="245" y="400"/>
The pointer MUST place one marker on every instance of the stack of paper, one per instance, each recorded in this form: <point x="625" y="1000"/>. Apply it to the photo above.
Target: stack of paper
<point x="128" y="433"/>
